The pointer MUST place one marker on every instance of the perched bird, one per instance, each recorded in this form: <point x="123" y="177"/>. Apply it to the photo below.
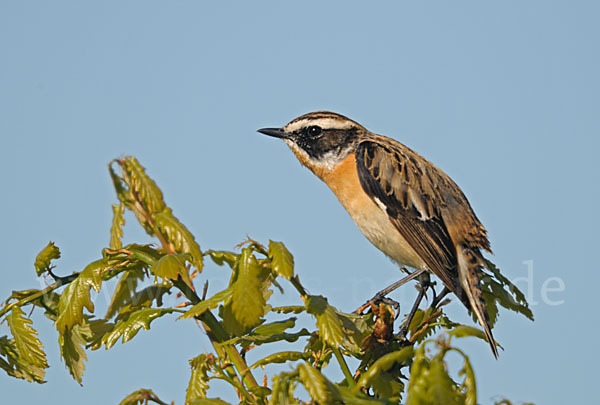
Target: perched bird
<point x="405" y="205"/>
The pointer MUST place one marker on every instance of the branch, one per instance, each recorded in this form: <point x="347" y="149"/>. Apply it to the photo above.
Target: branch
<point x="60" y="281"/>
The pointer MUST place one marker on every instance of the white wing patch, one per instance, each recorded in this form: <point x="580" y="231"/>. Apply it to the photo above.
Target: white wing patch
<point x="380" y="204"/>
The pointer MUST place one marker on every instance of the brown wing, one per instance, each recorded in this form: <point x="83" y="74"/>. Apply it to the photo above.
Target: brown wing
<point x="431" y="213"/>
<point x="411" y="194"/>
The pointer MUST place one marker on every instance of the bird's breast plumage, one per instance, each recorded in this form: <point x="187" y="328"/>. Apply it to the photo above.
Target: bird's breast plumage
<point x="371" y="218"/>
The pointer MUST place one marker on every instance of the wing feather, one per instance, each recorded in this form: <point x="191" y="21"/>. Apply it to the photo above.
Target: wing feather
<point x="397" y="180"/>
<point x="432" y="214"/>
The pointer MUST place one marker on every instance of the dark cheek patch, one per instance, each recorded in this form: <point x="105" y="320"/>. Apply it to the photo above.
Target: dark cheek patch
<point x="330" y="140"/>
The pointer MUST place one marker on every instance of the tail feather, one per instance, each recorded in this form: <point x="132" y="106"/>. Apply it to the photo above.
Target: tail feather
<point x="469" y="262"/>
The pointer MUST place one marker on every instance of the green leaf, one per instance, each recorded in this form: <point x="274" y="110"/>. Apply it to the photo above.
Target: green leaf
<point x="98" y="328"/>
<point x="384" y="364"/>
<point x="295" y="309"/>
<point x="461" y="331"/>
<point x="208" y="401"/>
<point x="279" y="358"/>
<point x="282" y="260"/>
<point x="221" y="257"/>
<point x="116" y="229"/>
<point x="142" y="185"/>
<point x="274" y="328"/>
<point x="72" y="342"/>
<point x="48" y="300"/>
<point x="198" y="385"/>
<point x="144" y="253"/>
<point x="320" y="388"/>
<point x="284" y="386"/>
<point x="77" y="296"/>
<point x="170" y="267"/>
<point x="442" y="389"/>
<point x="28" y="346"/>
<point x="45" y="257"/>
<point x="142" y="396"/>
<point x="15" y="366"/>
<point x="247" y="305"/>
<point x="358" y="398"/>
<point x="257" y="340"/>
<point x="469" y="383"/>
<point x="208" y="304"/>
<point x="328" y="322"/>
<point x="124" y="290"/>
<point x="431" y="384"/>
<point x="179" y="236"/>
<point x="497" y="289"/>
<point x="129" y="328"/>
<point x="145" y="297"/>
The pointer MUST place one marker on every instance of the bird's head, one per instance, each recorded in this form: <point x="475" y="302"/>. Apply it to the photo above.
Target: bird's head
<point x="320" y="139"/>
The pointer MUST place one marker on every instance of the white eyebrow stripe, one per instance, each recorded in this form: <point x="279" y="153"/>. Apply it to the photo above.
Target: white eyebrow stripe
<point x="325" y="123"/>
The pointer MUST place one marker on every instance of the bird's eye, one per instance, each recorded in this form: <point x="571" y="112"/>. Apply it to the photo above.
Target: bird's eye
<point x="313" y="130"/>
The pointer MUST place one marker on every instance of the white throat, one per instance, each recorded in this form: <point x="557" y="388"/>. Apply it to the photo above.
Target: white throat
<point x="326" y="162"/>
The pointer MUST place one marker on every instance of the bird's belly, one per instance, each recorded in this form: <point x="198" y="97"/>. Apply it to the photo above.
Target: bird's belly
<point x="379" y="230"/>
<point x="372" y="221"/>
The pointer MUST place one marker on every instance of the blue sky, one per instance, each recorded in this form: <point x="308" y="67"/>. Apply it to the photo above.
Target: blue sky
<point x="502" y="96"/>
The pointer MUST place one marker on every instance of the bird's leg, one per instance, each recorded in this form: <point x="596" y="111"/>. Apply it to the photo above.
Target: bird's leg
<point x="439" y="298"/>
<point x="381" y="294"/>
<point x="424" y="284"/>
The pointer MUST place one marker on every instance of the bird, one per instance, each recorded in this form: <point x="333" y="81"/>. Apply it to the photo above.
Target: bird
<point x="402" y="203"/>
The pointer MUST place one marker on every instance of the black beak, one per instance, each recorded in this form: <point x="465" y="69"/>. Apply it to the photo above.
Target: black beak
<point x="276" y="132"/>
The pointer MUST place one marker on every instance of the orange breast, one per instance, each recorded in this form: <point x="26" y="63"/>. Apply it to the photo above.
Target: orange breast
<point x="370" y="218"/>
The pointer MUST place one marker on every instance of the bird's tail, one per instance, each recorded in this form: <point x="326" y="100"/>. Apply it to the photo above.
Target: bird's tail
<point x="469" y="263"/>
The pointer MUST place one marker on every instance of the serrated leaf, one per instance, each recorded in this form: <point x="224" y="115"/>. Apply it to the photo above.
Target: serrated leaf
<point x="294" y="309"/>
<point x="144" y="253"/>
<point x="320" y="388"/>
<point x="179" y="236"/>
<point x="28" y="346"/>
<point x="116" y="229"/>
<point x="431" y="384"/>
<point x="418" y="382"/>
<point x="142" y="185"/>
<point x="279" y="358"/>
<point x="208" y="401"/>
<point x="358" y="398"/>
<point x="77" y="296"/>
<point x="72" y="342"/>
<point x="44" y="258"/>
<point x="258" y="340"/>
<point x="284" y="386"/>
<point x="328" y="322"/>
<point x="208" y="304"/>
<point x="497" y="289"/>
<point x="469" y="382"/>
<point x="170" y="267"/>
<point x="274" y="328"/>
<point x="281" y="259"/>
<point x="98" y="328"/>
<point x="198" y="385"/>
<point x="384" y="364"/>
<point x="461" y="331"/>
<point x="221" y="257"/>
<point x="146" y="296"/>
<point x="15" y="366"/>
<point x="129" y="328"/>
<point x="142" y="396"/>
<point x="442" y="389"/>
<point x="247" y="303"/>
<point x="124" y="290"/>
<point x="425" y="323"/>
